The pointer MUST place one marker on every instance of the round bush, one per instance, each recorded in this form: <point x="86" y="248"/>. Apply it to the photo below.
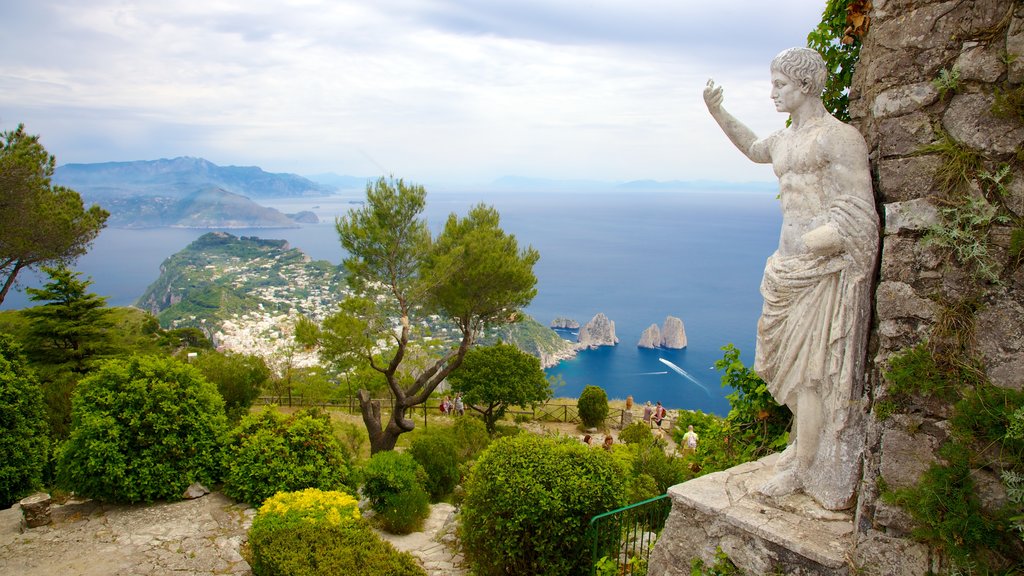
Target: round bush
<point x="23" y="431"/>
<point x="393" y="483"/>
<point x="438" y="457"/>
<point x="470" y="436"/>
<point x="313" y="532"/>
<point x="637" y="433"/>
<point x="269" y="452"/>
<point x="592" y="406"/>
<point x="142" y="429"/>
<point x="528" y="503"/>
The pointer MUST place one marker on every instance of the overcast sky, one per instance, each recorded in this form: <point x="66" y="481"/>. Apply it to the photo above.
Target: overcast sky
<point x="434" y="91"/>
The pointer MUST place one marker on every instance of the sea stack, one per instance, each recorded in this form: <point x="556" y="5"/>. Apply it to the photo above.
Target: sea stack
<point x="671" y="335"/>
<point x="600" y="331"/>
<point x="565" y="323"/>
<point x="651" y="338"/>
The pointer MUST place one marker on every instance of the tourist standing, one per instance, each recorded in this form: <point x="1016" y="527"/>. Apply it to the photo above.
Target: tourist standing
<point x="659" y="414"/>
<point x="689" y="441"/>
<point x="647" y="412"/>
<point x="460" y="408"/>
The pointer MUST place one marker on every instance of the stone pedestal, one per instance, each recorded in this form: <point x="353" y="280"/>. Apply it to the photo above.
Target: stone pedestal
<point x="35" y="510"/>
<point x="791" y="536"/>
<point x="760" y="535"/>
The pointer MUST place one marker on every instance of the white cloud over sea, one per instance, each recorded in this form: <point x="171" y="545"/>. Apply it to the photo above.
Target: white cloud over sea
<point x="442" y="91"/>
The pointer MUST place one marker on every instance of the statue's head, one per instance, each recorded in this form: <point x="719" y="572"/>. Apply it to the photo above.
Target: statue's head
<point x="804" y="65"/>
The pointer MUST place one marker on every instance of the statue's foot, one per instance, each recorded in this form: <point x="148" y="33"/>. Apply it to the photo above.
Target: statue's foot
<point x="781" y="484"/>
<point x="787" y="458"/>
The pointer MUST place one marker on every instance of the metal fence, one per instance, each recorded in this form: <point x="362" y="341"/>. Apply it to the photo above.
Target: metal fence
<point x="622" y="540"/>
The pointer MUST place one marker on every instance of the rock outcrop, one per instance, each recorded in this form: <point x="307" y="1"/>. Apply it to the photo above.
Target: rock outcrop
<point x="600" y="331"/>
<point x="671" y="335"/>
<point x="651" y="337"/>
<point x="565" y="323"/>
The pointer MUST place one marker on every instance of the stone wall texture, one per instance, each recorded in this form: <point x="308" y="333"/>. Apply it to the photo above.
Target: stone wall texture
<point x="900" y="108"/>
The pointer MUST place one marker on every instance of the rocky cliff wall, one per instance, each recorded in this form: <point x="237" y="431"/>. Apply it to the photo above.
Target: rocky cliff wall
<point x="938" y="95"/>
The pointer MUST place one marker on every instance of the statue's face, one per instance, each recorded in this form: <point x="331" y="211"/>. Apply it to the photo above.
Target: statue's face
<point x="787" y="93"/>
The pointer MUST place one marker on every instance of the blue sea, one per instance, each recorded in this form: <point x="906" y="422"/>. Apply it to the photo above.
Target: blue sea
<point x="635" y="256"/>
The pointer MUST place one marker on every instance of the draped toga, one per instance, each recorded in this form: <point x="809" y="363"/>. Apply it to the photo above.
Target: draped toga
<point x="813" y="334"/>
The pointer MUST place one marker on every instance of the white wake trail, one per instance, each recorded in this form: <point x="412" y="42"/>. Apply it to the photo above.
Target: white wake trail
<point x="684" y="374"/>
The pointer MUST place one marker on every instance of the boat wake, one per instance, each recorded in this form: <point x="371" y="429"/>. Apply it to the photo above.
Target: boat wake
<point x="685" y="374"/>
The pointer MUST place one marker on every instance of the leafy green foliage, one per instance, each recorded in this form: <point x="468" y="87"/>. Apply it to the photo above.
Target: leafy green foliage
<point x="838" y="39"/>
<point x="239" y="379"/>
<point x="440" y="461"/>
<point x="755" y="426"/>
<point x="593" y="406"/>
<point x="72" y="325"/>
<point x="269" y="452"/>
<point x="142" y="429"/>
<point x="528" y="503"/>
<point x="947" y="510"/>
<point x="493" y="378"/>
<point x="470" y="437"/>
<point x="916" y="371"/>
<point x="948" y="81"/>
<point x="637" y="433"/>
<point x="964" y="231"/>
<point x="313" y="532"/>
<point x="723" y="566"/>
<point x="393" y="483"/>
<point x="24" y="445"/>
<point x="40" y="223"/>
<point x="473" y="275"/>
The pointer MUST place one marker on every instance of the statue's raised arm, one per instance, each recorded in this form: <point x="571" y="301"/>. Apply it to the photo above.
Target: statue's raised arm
<point x="812" y="334"/>
<point x="741" y="136"/>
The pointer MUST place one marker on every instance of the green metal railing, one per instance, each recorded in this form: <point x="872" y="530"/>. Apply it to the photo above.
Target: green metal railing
<point x="623" y="538"/>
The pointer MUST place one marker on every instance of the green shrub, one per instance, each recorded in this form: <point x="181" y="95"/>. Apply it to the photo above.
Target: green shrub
<point x="437" y="455"/>
<point x="637" y="433"/>
<point x="393" y="483"/>
<point x="528" y="503"/>
<point x="142" y="429"/>
<point x="269" y="452"/>
<point x="593" y="406"/>
<point x="311" y="532"/>
<point x="470" y="437"/>
<point x="23" y="430"/>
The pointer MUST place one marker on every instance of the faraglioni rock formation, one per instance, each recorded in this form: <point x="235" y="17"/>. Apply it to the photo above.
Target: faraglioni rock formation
<point x="565" y="323"/>
<point x="600" y="331"/>
<point x="651" y="337"/>
<point x="671" y="335"/>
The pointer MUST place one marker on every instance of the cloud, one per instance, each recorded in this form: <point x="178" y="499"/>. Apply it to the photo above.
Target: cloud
<point x="432" y="90"/>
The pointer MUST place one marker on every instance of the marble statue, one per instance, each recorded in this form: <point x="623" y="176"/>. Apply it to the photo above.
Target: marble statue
<point x="812" y="334"/>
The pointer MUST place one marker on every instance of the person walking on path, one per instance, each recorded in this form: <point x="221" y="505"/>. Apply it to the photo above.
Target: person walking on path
<point x="460" y="408"/>
<point x="647" y="412"/>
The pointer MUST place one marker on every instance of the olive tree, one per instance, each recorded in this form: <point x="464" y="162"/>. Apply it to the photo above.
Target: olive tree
<point x="471" y="276"/>
<point x="40" y="223"/>
<point x="492" y="378"/>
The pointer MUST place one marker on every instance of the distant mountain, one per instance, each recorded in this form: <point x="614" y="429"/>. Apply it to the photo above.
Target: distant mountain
<point x="186" y="192"/>
<point x="179" y="177"/>
<point x="207" y="208"/>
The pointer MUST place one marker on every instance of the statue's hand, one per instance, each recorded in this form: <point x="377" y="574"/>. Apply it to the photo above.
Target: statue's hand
<point x="823" y="241"/>
<point x="713" y="95"/>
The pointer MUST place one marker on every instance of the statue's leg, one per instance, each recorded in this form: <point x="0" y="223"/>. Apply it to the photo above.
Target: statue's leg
<point x="808" y="422"/>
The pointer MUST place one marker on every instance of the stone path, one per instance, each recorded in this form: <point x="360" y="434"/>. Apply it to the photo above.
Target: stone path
<point x="190" y="538"/>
